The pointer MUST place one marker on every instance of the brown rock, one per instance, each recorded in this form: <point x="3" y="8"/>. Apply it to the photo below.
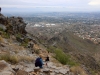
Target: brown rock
<point x="5" y="68"/>
<point x="21" y="72"/>
<point x="2" y="66"/>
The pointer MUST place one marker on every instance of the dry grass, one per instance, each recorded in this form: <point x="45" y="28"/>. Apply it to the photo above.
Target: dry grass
<point x="1" y="39"/>
<point x="25" y="58"/>
<point x="9" y="58"/>
<point x="14" y="59"/>
<point x="36" y="47"/>
<point x="77" y="70"/>
<point x="56" y="62"/>
<point x="16" y="48"/>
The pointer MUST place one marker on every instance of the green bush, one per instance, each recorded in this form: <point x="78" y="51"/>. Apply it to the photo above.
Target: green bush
<point x="61" y="56"/>
<point x="9" y="58"/>
<point x="1" y="29"/>
<point x="64" y="58"/>
<point x="26" y="40"/>
<point x="24" y="44"/>
<point x="51" y="49"/>
<point x="6" y="35"/>
<point x="18" y="35"/>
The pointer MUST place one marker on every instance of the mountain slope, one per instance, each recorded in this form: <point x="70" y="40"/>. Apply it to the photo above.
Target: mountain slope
<point x="17" y="57"/>
<point x="81" y="50"/>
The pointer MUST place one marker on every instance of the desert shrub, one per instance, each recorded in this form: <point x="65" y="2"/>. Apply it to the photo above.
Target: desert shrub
<point x="77" y="70"/>
<point x="1" y="39"/>
<point x="23" y="41"/>
<point x="9" y="58"/>
<point x="19" y="37"/>
<point x="37" y="51"/>
<point x="51" y="49"/>
<point x="5" y="35"/>
<point x="26" y="40"/>
<point x="1" y="29"/>
<point x="61" y="56"/>
<point x="24" y="44"/>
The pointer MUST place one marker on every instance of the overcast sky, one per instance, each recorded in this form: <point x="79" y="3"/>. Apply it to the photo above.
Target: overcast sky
<point x="50" y="5"/>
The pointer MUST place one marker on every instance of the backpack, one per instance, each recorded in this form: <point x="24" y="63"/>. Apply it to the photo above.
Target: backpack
<point x="38" y="62"/>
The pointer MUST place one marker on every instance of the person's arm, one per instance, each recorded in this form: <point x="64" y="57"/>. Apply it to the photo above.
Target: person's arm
<point x="41" y="61"/>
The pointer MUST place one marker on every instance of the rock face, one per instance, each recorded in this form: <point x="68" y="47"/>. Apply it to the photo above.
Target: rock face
<point x="13" y="24"/>
<point x="21" y="72"/>
<point x="5" y="68"/>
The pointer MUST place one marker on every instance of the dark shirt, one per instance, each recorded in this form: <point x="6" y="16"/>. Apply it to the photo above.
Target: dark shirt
<point x="39" y="62"/>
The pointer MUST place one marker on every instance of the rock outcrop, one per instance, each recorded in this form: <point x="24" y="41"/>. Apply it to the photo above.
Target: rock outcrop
<point x="5" y="68"/>
<point x="13" y="25"/>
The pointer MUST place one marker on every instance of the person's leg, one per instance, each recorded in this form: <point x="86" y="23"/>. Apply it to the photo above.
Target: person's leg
<point x="40" y="66"/>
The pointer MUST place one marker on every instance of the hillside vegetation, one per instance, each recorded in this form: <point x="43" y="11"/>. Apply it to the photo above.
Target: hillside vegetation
<point x="82" y="51"/>
<point x="69" y="54"/>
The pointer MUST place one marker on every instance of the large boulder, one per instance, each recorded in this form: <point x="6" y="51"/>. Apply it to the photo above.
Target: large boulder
<point x="5" y="68"/>
<point x="13" y="24"/>
<point x="3" y="27"/>
<point x="21" y="72"/>
<point x="3" y="19"/>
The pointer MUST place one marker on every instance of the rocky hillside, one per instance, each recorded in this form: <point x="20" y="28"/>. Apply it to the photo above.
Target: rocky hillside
<point x="81" y="51"/>
<point x="19" y="49"/>
<point x="69" y="54"/>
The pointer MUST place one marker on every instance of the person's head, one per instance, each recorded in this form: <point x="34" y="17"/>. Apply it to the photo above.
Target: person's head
<point x="41" y="55"/>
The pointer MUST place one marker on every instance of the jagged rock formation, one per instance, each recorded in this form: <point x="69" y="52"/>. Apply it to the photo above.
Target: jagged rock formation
<point x="13" y="25"/>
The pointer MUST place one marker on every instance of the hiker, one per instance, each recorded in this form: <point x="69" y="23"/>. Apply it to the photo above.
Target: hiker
<point x="39" y="61"/>
<point x="0" y="9"/>
<point x="46" y="60"/>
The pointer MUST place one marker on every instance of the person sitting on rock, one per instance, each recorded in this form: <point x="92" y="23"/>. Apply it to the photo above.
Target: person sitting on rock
<point x="39" y="61"/>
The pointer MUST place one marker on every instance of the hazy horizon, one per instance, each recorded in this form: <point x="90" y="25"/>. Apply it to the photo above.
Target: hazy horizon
<point x="29" y="6"/>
